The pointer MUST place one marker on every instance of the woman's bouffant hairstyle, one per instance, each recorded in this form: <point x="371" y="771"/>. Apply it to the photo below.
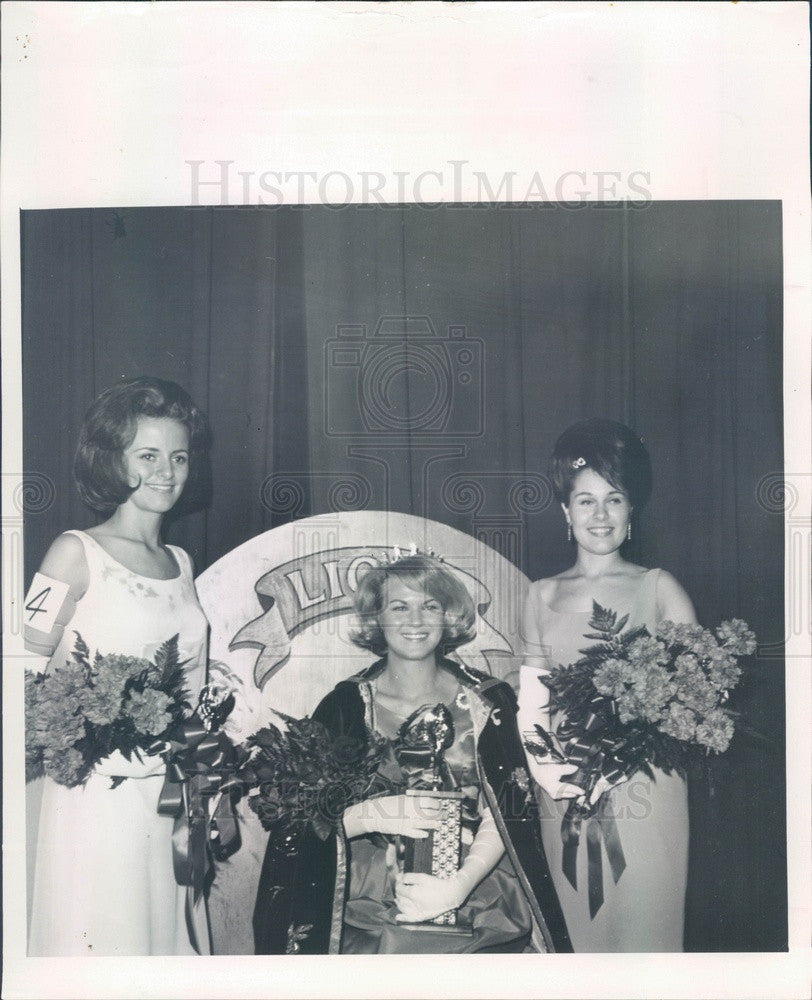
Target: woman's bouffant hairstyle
<point x="109" y="428"/>
<point x="421" y="573"/>
<point x="612" y="450"/>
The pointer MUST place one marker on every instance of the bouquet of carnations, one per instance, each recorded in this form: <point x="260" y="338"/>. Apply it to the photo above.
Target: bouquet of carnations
<point x="300" y="774"/>
<point x="633" y="702"/>
<point x="636" y="701"/>
<point x="79" y="713"/>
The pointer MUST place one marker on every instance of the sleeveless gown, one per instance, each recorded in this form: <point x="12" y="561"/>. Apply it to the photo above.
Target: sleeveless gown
<point x="103" y="880"/>
<point x="644" y="911"/>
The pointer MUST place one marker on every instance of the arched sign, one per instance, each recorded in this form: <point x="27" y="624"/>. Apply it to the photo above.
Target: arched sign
<point x="280" y="607"/>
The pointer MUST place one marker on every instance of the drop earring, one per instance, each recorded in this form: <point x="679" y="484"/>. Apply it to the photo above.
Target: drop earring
<point x="629" y="531"/>
<point x="569" y="532"/>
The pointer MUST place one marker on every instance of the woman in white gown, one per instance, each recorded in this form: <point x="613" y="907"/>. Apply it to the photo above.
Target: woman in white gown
<point x="602" y="474"/>
<point x="103" y="882"/>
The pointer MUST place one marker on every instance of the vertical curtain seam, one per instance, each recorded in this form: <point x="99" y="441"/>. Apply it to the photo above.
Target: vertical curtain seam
<point x="405" y="312"/>
<point x="271" y="396"/>
<point x="627" y="321"/>
<point x="92" y="246"/>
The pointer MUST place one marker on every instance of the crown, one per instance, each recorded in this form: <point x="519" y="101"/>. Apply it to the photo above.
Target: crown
<point x="398" y="553"/>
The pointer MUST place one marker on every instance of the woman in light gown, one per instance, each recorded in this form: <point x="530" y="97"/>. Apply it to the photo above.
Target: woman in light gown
<point x="602" y="476"/>
<point x="103" y="882"/>
<point x="346" y="894"/>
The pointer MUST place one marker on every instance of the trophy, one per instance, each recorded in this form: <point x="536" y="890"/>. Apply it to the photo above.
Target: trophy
<point x="422" y="742"/>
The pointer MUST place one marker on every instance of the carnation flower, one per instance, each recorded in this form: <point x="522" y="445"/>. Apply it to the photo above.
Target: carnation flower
<point x="715" y="731"/>
<point x="65" y="768"/>
<point x="31" y="692"/>
<point x="653" y="691"/>
<point x="678" y="635"/>
<point x="723" y="670"/>
<point x="33" y="750"/>
<point x="125" y="666"/>
<point x="679" y="722"/>
<point x="645" y="651"/>
<point x="33" y="762"/>
<point x="687" y="667"/>
<point x="611" y="677"/>
<point x="666" y="631"/>
<point x="149" y="711"/>
<point x="629" y="708"/>
<point x="736" y="637"/>
<point x="104" y="700"/>
<point x="55" y="726"/>
<point x="699" y="695"/>
<point x="703" y="644"/>
<point x="67" y="685"/>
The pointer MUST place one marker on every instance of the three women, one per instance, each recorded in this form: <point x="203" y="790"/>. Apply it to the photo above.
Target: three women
<point x="127" y="593"/>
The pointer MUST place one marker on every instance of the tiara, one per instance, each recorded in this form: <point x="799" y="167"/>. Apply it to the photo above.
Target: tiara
<point x="398" y="553"/>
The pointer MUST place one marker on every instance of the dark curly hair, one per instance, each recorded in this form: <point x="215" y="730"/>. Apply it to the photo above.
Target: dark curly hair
<point x="109" y="428"/>
<point x="612" y="450"/>
<point x="421" y="573"/>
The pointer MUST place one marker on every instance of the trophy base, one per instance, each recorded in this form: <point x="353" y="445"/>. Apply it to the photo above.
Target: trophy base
<point x="438" y="854"/>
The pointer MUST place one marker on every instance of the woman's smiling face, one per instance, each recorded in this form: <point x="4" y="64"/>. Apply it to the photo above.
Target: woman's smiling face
<point x="598" y="512"/>
<point x="157" y="463"/>
<point x="411" y="620"/>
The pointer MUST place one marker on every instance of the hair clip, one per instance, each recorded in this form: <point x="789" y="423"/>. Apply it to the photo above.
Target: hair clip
<point x="578" y="463"/>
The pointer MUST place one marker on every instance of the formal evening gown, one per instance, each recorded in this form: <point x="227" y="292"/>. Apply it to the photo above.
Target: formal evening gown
<point x="496" y="910"/>
<point x="103" y="880"/>
<point x="644" y="910"/>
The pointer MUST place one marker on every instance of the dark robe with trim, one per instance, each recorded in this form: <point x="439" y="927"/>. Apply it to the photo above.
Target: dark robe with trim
<point x="303" y="883"/>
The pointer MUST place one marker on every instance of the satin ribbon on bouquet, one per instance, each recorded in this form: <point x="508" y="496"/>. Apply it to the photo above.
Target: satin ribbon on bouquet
<point x="594" y="758"/>
<point x="198" y="764"/>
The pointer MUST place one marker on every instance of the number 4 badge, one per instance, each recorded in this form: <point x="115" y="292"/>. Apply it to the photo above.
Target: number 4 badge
<point x="45" y="599"/>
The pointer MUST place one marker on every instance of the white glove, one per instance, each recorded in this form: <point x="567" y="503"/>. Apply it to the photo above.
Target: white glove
<point x="422" y="897"/>
<point x="116" y="765"/>
<point x="407" y="815"/>
<point x="246" y="716"/>
<point x="603" y="785"/>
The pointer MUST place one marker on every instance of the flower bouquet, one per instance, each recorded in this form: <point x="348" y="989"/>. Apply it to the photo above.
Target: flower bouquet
<point x="633" y="702"/>
<point x="301" y="774"/>
<point x="79" y="713"/>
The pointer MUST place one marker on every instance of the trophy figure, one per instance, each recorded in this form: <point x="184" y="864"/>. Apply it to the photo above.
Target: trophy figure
<point x="422" y="742"/>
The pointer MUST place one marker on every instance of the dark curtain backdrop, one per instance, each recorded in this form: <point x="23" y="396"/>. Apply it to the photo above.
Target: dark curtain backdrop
<point x="424" y="359"/>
